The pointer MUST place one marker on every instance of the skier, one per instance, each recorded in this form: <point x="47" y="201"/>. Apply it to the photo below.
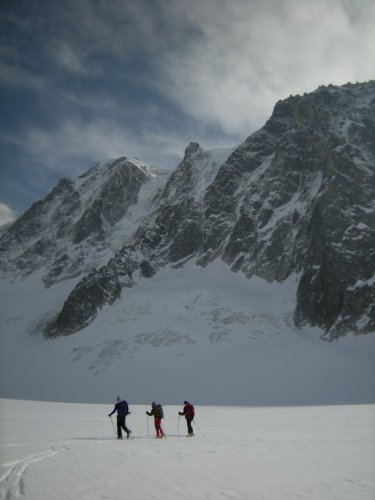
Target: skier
<point x="189" y="413"/>
<point x="157" y="412"/>
<point x="122" y="409"/>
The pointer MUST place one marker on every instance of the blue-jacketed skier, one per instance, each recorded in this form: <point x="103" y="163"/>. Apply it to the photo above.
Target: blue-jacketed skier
<point x="122" y="409"/>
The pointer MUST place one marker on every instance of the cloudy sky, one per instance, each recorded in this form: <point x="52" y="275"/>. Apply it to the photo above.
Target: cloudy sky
<point x="86" y="80"/>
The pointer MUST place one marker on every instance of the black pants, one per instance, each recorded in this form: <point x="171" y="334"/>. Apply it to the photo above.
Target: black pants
<point x="121" y="424"/>
<point x="189" y="426"/>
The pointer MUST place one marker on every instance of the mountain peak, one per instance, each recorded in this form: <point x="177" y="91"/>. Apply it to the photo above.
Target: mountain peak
<point x="192" y="149"/>
<point x="70" y="231"/>
<point x="294" y="200"/>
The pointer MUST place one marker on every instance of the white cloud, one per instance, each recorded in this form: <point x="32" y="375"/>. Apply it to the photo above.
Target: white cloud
<point x="6" y="214"/>
<point x="224" y="63"/>
<point x="74" y="146"/>
<point x="73" y="140"/>
<point x="246" y="55"/>
<point x="69" y="59"/>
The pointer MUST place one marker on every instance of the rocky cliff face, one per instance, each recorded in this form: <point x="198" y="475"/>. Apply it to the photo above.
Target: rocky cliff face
<point x="297" y="197"/>
<point x="70" y="232"/>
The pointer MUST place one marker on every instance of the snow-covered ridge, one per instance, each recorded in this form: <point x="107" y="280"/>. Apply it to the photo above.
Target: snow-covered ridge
<point x="297" y="196"/>
<point x="81" y="223"/>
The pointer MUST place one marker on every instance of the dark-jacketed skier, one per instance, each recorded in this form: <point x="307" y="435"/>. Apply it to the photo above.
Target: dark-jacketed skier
<point x="122" y="409"/>
<point x="189" y="413"/>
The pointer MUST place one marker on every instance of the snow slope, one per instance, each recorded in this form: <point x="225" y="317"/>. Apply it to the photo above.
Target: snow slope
<point x="209" y="335"/>
<point x="69" y="452"/>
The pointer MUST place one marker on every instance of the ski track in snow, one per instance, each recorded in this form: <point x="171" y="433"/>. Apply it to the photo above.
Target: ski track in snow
<point x="13" y="479"/>
<point x="255" y="453"/>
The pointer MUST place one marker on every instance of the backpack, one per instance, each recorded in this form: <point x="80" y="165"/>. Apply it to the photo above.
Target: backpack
<point x="158" y="411"/>
<point x="124" y="408"/>
<point x="189" y="411"/>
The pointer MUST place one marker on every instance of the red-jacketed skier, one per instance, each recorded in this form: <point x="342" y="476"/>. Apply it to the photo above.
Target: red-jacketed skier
<point x="189" y="413"/>
<point x="158" y="414"/>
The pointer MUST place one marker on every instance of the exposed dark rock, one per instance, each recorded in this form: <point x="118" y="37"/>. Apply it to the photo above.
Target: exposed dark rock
<point x="296" y="198"/>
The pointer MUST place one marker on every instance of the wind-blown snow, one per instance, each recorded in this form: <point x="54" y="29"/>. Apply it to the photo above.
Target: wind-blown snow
<point x="208" y="333"/>
<point x="208" y="167"/>
<point x="69" y="452"/>
<point x="123" y="230"/>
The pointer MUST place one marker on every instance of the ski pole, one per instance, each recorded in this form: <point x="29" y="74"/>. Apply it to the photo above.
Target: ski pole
<point x="148" y="430"/>
<point x="113" y="425"/>
<point x="178" y="426"/>
<point x="194" y="422"/>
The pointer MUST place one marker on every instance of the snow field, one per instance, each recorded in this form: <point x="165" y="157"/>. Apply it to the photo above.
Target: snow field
<point x="209" y="334"/>
<point x="69" y="451"/>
